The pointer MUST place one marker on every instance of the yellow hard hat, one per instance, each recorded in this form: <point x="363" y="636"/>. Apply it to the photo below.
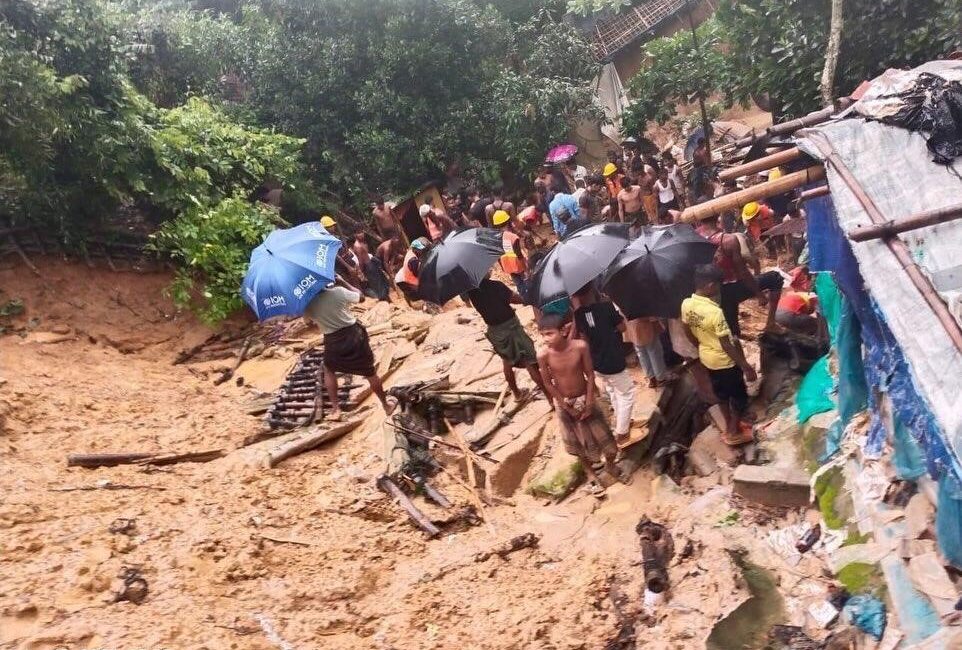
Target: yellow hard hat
<point x="500" y="217"/>
<point x="775" y="174"/>
<point x="327" y="221"/>
<point x="609" y="169"/>
<point x="750" y="211"/>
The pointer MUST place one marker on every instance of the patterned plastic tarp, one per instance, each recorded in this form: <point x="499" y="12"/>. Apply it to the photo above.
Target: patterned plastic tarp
<point x="907" y="352"/>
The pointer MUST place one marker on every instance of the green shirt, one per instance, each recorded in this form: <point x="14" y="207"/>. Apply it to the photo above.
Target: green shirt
<point x="330" y="309"/>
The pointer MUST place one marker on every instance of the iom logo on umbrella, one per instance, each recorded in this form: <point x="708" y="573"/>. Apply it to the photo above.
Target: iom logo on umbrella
<point x="274" y="301"/>
<point x="306" y="283"/>
<point x="320" y="257"/>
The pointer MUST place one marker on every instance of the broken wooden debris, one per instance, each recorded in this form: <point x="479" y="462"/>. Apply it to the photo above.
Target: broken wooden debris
<point x="298" y="442"/>
<point x="227" y="374"/>
<point x="105" y="485"/>
<point x="284" y="540"/>
<point x="106" y="460"/>
<point x="527" y="540"/>
<point x="141" y="458"/>
<point x="389" y="487"/>
<point x="657" y="549"/>
<point x="478" y="437"/>
<point x="188" y="457"/>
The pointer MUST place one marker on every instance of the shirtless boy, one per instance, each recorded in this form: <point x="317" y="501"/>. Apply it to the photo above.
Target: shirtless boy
<point x="630" y="202"/>
<point x="570" y="380"/>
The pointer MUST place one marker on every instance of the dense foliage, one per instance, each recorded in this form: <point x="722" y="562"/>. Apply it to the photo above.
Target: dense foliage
<point x="774" y="50"/>
<point x="203" y="157"/>
<point x="180" y="108"/>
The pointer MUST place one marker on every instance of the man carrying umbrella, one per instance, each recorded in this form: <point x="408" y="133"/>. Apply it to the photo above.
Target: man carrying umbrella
<point x="347" y="348"/>
<point x="602" y="327"/>
<point x="288" y="275"/>
<point x="493" y="300"/>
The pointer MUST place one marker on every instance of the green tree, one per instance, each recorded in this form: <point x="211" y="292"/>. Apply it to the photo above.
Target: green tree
<point x="777" y="47"/>
<point x="201" y="157"/>
<point x="675" y="74"/>
<point x="70" y="126"/>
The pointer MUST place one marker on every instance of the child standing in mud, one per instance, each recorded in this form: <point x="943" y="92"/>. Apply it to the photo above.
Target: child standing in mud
<point x="569" y="378"/>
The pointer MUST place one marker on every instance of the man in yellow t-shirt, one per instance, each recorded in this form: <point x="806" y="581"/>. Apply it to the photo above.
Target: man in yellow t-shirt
<point x="719" y="351"/>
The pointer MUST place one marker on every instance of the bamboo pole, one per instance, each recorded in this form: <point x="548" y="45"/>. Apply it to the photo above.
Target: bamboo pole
<point x="814" y="193"/>
<point x="787" y="128"/>
<point x="896" y="245"/>
<point x="736" y="200"/>
<point x="760" y="165"/>
<point x="912" y="222"/>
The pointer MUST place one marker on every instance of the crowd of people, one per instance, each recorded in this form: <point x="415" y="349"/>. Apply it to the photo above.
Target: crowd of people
<point x="585" y="337"/>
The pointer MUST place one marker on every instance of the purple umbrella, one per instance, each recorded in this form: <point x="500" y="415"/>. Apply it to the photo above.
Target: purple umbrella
<point x="561" y="153"/>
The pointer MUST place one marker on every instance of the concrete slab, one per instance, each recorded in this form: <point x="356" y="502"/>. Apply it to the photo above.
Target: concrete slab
<point x="774" y="486"/>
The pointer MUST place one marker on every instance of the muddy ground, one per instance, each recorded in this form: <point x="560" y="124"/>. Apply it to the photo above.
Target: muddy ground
<point x="309" y="554"/>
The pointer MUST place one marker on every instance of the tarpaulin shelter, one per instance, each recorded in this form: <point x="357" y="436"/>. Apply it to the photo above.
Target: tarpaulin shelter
<point x="904" y="288"/>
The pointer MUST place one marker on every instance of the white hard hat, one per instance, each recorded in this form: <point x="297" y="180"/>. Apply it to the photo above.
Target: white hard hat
<point x="425" y="210"/>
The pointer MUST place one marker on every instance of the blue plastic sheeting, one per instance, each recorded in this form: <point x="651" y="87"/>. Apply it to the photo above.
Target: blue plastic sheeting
<point x="867" y="613"/>
<point x="907" y="456"/>
<point x="948" y="521"/>
<point x="918" y="620"/>
<point x="886" y="370"/>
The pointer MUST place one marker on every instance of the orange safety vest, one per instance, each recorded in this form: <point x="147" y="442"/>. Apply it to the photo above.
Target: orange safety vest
<point x="510" y="262"/>
<point x="404" y="273"/>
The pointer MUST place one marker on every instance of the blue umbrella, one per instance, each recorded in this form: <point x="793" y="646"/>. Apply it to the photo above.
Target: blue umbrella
<point x="289" y="269"/>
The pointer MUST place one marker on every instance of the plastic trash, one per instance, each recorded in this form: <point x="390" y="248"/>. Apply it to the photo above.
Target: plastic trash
<point x="867" y="613"/>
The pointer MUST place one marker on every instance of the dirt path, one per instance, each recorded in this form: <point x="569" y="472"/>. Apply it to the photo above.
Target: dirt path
<point x="94" y="374"/>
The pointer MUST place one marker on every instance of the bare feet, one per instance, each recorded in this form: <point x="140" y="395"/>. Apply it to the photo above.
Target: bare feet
<point x="336" y="415"/>
<point x="521" y="394"/>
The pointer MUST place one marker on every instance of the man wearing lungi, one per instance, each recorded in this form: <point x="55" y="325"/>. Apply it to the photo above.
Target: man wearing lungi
<point x="347" y="348"/>
<point x="493" y="300"/>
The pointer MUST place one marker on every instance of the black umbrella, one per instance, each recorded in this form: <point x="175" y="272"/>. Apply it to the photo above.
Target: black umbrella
<point x="576" y="260"/>
<point x="656" y="272"/>
<point x="458" y="263"/>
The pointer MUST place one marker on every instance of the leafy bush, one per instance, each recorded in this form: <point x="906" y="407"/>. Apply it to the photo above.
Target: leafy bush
<point x="203" y="157"/>
<point x="212" y="246"/>
<point x="71" y="138"/>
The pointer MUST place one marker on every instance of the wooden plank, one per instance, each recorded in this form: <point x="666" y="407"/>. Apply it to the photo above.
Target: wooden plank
<point x="389" y="487"/>
<point x="298" y="442"/>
